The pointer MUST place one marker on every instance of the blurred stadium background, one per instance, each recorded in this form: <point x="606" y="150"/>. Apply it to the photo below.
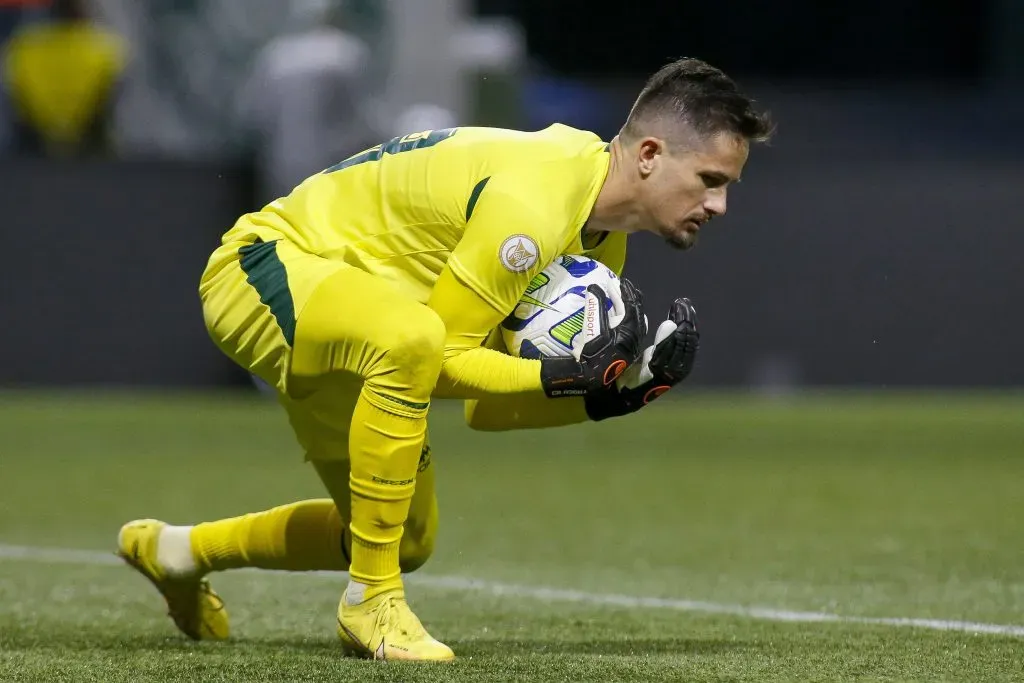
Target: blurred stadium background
<point x="875" y="246"/>
<point x="876" y="243"/>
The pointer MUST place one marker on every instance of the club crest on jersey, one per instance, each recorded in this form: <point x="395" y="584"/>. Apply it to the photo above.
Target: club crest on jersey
<point x="518" y="253"/>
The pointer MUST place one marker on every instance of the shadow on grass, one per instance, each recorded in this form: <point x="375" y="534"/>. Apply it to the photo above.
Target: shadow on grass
<point x="330" y="647"/>
<point x="632" y="647"/>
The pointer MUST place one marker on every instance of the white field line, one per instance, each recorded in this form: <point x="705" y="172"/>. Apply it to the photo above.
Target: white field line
<point x="92" y="557"/>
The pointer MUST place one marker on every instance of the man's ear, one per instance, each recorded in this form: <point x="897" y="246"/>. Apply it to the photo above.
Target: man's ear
<point x="649" y="151"/>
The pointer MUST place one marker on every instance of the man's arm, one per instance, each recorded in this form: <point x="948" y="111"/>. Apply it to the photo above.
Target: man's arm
<point x="507" y="241"/>
<point x="531" y="410"/>
<point x="470" y="370"/>
<point x="526" y="411"/>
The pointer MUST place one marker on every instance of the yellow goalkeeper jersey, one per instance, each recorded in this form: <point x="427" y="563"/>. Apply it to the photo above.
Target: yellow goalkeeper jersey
<point x="495" y="205"/>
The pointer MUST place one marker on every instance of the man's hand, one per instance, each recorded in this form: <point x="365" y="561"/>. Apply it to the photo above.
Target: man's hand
<point x="663" y="365"/>
<point x="605" y="353"/>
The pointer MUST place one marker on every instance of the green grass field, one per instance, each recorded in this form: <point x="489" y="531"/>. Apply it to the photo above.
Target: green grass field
<point x="569" y="555"/>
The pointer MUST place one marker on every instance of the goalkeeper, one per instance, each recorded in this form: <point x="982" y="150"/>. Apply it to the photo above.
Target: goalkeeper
<point x="373" y="287"/>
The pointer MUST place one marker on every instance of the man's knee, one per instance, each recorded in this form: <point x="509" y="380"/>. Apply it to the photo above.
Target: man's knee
<point x="397" y="345"/>
<point x="417" y="542"/>
<point x="410" y="356"/>
<point x="414" y="554"/>
<point x="419" y="341"/>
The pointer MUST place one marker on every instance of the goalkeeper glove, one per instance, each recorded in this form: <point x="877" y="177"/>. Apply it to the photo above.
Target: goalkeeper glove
<point x="606" y="351"/>
<point x="663" y="365"/>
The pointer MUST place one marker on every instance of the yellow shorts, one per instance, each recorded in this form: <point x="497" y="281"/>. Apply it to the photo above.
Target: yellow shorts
<point x="361" y="333"/>
<point x="252" y="295"/>
<point x="325" y="334"/>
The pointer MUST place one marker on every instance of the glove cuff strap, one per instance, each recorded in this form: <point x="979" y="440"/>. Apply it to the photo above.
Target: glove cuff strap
<point x="562" y="377"/>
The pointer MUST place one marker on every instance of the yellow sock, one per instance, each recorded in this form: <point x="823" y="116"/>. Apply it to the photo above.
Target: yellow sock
<point x="384" y="450"/>
<point x="303" y="536"/>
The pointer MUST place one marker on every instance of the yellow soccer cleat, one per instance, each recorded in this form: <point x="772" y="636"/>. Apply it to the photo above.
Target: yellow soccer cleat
<point x="196" y="610"/>
<point x="384" y="628"/>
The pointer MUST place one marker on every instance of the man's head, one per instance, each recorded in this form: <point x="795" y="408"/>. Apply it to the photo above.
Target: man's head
<point x="70" y="10"/>
<point x="686" y="139"/>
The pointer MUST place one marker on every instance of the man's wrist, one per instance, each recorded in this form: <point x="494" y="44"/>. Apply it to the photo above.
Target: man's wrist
<point x="561" y="377"/>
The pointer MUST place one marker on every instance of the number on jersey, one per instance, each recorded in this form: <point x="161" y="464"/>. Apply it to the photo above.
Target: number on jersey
<point x="405" y="143"/>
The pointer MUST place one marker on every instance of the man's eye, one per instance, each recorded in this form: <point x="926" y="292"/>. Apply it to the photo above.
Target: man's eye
<point x="712" y="181"/>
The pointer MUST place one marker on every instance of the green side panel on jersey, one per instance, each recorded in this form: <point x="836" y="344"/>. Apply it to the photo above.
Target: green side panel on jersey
<point x="474" y="196"/>
<point x="265" y="272"/>
<point x="564" y="331"/>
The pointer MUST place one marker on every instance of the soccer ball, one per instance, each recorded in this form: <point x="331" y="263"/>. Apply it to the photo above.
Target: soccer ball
<point x="548" y="319"/>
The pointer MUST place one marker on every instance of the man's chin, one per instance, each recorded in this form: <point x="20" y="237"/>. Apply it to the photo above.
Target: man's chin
<point x="682" y="242"/>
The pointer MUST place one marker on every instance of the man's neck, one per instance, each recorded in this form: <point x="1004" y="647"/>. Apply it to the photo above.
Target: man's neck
<point x="612" y="211"/>
<point x="591" y="239"/>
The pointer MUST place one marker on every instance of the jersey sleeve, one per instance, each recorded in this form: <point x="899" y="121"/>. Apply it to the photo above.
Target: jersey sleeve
<point x="508" y="239"/>
<point x="511" y="234"/>
<point x="524" y="411"/>
<point x="530" y="410"/>
<point x="468" y="369"/>
<point x="534" y="410"/>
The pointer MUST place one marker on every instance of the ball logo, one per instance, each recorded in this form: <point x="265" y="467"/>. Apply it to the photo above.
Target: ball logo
<point x="591" y="325"/>
<point x="518" y="253"/>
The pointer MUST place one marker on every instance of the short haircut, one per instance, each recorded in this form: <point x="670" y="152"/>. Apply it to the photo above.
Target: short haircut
<point x="697" y="94"/>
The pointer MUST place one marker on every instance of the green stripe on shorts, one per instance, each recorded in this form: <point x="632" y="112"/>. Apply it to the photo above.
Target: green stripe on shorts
<point x="265" y="272"/>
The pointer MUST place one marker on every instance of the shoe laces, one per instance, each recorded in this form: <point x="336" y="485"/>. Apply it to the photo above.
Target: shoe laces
<point x="394" y="615"/>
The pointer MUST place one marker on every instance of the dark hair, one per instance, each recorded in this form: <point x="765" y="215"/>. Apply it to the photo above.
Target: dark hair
<point x="700" y="95"/>
<point x="71" y="10"/>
